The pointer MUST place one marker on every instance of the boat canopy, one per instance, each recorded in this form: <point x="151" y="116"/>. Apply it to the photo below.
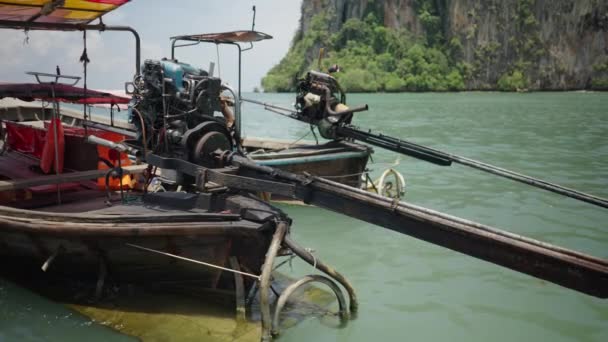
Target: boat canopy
<point x="56" y="11"/>
<point x="226" y="37"/>
<point x="61" y="92"/>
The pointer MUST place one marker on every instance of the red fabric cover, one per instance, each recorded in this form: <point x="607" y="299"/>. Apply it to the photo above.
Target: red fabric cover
<point x="30" y="140"/>
<point x="63" y="93"/>
<point x="48" y="162"/>
<point x="25" y="139"/>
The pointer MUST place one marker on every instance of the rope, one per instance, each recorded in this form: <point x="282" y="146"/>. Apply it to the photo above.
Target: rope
<point x="295" y="141"/>
<point x="340" y="176"/>
<point x="194" y="261"/>
<point x="312" y="129"/>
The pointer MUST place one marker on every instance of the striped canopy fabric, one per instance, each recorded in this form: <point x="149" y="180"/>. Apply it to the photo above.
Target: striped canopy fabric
<point x="227" y="37"/>
<point x="56" y="11"/>
<point x="59" y="92"/>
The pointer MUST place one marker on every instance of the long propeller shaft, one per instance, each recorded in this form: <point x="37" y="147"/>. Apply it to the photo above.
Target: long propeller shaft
<point x="439" y="157"/>
<point x="442" y="158"/>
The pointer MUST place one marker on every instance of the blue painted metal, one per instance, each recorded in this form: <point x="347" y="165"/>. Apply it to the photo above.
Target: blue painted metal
<point x="176" y="71"/>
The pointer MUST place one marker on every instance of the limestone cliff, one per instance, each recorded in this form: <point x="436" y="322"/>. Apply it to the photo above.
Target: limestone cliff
<point x="551" y="44"/>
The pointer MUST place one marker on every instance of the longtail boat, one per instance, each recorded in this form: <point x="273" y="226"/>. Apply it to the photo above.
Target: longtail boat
<point x="208" y="226"/>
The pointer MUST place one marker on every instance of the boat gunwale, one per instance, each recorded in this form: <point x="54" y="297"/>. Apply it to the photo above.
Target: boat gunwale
<point x="88" y="217"/>
<point x="130" y="229"/>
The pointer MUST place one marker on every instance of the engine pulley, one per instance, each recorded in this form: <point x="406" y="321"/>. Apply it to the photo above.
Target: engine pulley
<point x="210" y="142"/>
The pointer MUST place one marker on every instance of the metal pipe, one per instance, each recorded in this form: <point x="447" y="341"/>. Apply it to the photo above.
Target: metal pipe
<point x="120" y="147"/>
<point x="443" y="158"/>
<point x="330" y="271"/>
<point x="143" y="130"/>
<point x="8" y="24"/>
<point x="295" y="286"/>
<point x="238" y="103"/>
<point x="237" y="99"/>
<point x="238" y="118"/>
<point x="344" y="112"/>
<point x="267" y="268"/>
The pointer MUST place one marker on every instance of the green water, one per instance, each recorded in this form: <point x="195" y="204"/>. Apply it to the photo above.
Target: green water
<point x="411" y="290"/>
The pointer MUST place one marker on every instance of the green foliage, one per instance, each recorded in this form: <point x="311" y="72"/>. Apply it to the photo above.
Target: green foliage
<point x="454" y="81"/>
<point x="393" y="83"/>
<point x="282" y="76"/>
<point x="428" y="13"/>
<point x="527" y="42"/>
<point x="599" y="83"/>
<point x="601" y="67"/>
<point x="515" y="81"/>
<point x="358" y="80"/>
<point x="373" y="57"/>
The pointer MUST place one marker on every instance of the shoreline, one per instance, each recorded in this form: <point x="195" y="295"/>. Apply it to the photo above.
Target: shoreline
<point x="456" y="92"/>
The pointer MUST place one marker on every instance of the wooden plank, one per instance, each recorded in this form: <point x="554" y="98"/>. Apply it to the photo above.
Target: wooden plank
<point x="65" y="178"/>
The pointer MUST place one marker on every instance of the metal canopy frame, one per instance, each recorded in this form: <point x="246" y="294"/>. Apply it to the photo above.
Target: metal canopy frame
<point x="28" y="26"/>
<point x="207" y="38"/>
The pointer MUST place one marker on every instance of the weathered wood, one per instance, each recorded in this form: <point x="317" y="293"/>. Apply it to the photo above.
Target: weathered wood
<point x="64" y="178"/>
<point x="126" y="215"/>
<point x="561" y="266"/>
<point x="247" y="183"/>
<point x="51" y="199"/>
<point x="67" y="228"/>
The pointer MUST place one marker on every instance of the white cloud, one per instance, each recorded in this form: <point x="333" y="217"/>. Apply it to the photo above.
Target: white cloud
<point x="112" y="53"/>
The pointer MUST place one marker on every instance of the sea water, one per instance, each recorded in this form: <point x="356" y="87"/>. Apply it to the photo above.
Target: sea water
<point x="409" y="289"/>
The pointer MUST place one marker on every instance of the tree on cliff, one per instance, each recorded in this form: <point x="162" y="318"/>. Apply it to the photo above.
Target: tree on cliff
<point x="447" y="46"/>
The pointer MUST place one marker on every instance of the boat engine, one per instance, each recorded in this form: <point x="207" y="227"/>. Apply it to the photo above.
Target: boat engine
<point x="321" y="101"/>
<point x="174" y="112"/>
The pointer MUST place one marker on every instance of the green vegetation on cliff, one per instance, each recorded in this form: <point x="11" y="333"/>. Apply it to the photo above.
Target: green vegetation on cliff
<point x="440" y="45"/>
<point x="372" y="58"/>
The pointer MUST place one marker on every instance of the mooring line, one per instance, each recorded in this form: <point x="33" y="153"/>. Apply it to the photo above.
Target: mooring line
<point x="194" y="261"/>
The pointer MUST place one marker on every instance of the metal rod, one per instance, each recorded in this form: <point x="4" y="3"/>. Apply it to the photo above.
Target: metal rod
<point x="77" y="27"/>
<point x="194" y="261"/>
<point x="330" y="271"/>
<point x="298" y="284"/>
<point x="292" y="113"/>
<point x="430" y="154"/>
<point x="238" y="117"/>
<point x="267" y="268"/>
<point x="238" y="124"/>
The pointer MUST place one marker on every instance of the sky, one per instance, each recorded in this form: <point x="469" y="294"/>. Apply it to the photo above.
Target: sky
<point x="112" y="53"/>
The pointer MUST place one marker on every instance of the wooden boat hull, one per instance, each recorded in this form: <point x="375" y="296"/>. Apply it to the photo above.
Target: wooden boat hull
<point x="103" y="241"/>
<point x="82" y="257"/>
<point x="341" y="161"/>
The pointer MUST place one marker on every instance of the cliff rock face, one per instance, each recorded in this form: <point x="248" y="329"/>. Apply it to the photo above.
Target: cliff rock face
<point x="556" y="44"/>
<point x="562" y="40"/>
<point x="397" y="13"/>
